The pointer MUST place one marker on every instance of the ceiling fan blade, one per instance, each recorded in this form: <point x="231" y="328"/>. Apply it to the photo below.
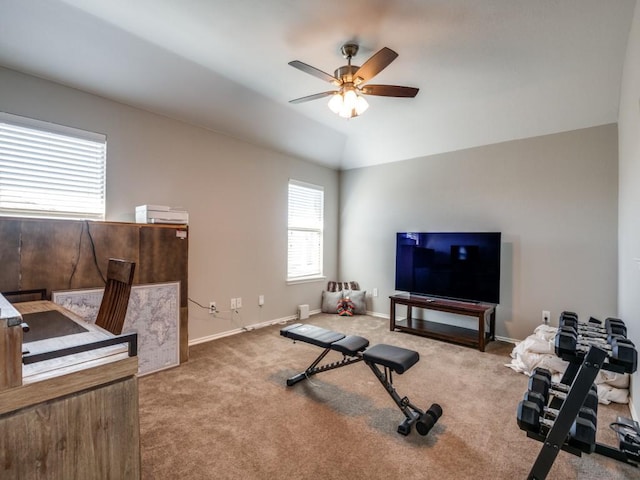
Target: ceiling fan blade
<point x="312" y="97"/>
<point x="375" y="64"/>
<point x="389" y="91"/>
<point x="315" y="72"/>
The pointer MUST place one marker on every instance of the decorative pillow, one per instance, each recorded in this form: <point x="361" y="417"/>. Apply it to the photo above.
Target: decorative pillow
<point x="358" y="297"/>
<point x="337" y="286"/>
<point x="330" y="301"/>
<point x="345" y="307"/>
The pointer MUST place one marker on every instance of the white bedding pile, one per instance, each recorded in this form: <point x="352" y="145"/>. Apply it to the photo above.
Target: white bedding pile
<point x="537" y="351"/>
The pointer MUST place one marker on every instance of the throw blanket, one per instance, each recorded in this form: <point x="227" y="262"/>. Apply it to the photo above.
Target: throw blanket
<point x="537" y="350"/>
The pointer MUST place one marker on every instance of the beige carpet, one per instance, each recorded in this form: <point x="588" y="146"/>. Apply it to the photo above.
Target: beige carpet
<point x="228" y="414"/>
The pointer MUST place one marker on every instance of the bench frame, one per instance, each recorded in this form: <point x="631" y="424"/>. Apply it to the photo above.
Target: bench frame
<point x="424" y="421"/>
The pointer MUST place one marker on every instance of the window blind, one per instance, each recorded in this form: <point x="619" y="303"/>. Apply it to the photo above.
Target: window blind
<point x="49" y="170"/>
<point x="305" y="234"/>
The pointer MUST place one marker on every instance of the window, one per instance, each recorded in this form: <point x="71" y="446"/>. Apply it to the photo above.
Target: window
<point x="49" y="170"/>
<point x="306" y="222"/>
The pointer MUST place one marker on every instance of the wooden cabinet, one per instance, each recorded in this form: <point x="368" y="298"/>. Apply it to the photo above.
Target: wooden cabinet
<point x="484" y="313"/>
<point x="73" y="254"/>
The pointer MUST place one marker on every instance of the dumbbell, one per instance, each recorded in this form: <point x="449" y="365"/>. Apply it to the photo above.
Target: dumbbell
<point x="587" y="413"/>
<point x="612" y="326"/>
<point x="598" y="340"/>
<point x="582" y="433"/>
<point x="428" y="419"/>
<point x="540" y="382"/>
<point x="593" y="322"/>
<point x="621" y="351"/>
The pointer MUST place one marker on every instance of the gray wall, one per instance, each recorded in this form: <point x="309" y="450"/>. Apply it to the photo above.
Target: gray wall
<point x="235" y="192"/>
<point x="629" y="200"/>
<point x="554" y="198"/>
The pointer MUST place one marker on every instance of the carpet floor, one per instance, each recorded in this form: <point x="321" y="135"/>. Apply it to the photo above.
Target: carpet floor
<point x="228" y="414"/>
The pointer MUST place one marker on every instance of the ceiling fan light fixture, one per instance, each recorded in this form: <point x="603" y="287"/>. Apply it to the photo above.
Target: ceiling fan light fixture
<point x="348" y="103"/>
<point x="336" y="102"/>
<point x="351" y="80"/>
<point x="361" y="105"/>
<point x="350" y="98"/>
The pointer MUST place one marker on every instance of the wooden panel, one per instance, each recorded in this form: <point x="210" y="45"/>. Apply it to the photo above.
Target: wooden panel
<point x="50" y="254"/>
<point x="184" y="334"/>
<point x="92" y="434"/>
<point x="101" y="371"/>
<point x="70" y="254"/>
<point x="10" y="355"/>
<point x="114" y="240"/>
<point x="156" y="265"/>
<point x="10" y="254"/>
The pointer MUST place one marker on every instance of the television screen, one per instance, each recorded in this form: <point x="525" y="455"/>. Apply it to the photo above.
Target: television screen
<point x="461" y="266"/>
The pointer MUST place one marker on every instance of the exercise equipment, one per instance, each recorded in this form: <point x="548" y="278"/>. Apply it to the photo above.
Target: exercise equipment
<point x="604" y="335"/>
<point x="566" y="424"/>
<point x="382" y="359"/>
<point x="540" y="382"/>
<point x="552" y="413"/>
<point x="620" y="351"/>
<point x="612" y="326"/>
<point x="532" y="418"/>
<point x="628" y="431"/>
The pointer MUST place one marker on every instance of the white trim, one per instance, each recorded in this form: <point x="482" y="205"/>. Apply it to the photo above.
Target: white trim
<point x="51" y="127"/>
<point x="235" y="331"/>
<point x="293" y="281"/>
<point x="632" y="408"/>
<point x="306" y="184"/>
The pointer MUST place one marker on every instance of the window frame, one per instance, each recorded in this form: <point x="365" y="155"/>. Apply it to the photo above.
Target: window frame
<point x="318" y="274"/>
<point x="66" y="167"/>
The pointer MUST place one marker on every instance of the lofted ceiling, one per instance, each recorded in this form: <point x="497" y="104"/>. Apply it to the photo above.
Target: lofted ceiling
<point x="488" y="70"/>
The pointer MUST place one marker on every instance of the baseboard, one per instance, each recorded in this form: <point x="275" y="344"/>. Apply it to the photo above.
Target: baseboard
<point x="507" y="339"/>
<point x="632" y="408"/>
<point x="247" y="328"/>
<point x="378" y="314"/>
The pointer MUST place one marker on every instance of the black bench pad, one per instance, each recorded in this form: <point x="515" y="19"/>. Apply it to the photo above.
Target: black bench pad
<point x="396" y="358"/>
<point x="350" y="345"/>
<point x="318" y="336"/>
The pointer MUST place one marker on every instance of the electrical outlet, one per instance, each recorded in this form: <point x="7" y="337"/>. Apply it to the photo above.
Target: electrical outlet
<point x="261" y="300"/>
<point x="375" y="292"/>
<point x="233" y="304"/>
<point x="212" y="307"/>
<point x="546" y="316"/>
<point x="239" y="302"/>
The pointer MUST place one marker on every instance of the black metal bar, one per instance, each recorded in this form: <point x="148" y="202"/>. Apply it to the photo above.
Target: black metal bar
<point x="412" y="414"/>
<point x="568" y="412"/>
<point x="614" y="453"/>
<point x="314" y="368"/>
<point x="130" y="338"/>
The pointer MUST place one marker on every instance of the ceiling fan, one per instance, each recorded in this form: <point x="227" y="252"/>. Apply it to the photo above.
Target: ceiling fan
<point x="348" y="100"/>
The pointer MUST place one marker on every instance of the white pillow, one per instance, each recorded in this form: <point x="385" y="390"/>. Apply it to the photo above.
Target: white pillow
<point x="330" y="301"/>
<point x="359" y="299"/>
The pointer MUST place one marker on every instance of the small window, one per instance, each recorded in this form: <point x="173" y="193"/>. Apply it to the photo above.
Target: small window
<point x="306" y="224"/>
<point x="48" y="170"/>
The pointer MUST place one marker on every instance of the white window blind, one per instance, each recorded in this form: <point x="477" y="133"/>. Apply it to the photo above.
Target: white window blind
<point x="49" y="170"/>
<point x="306" y="223"/>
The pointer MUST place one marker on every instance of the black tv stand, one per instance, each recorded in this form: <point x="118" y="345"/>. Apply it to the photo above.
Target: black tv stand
<point x="441" y="331"/>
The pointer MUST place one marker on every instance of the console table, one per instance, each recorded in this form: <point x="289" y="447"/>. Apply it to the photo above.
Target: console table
<point x="485" y="313"/>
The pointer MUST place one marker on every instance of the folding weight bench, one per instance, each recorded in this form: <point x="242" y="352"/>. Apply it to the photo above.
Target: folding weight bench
<point x="382" y="359"/>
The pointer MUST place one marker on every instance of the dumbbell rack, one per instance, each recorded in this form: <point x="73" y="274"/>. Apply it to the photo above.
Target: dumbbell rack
<point x="580" y="375"/>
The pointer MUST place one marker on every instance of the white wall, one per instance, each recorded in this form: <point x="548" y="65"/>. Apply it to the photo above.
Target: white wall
<point x="554" y="198"/>
<point x="629" y="199"/>
<point x="235" y="192"/>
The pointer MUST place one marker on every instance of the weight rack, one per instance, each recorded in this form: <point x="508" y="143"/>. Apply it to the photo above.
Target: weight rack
<point x="580" y="375"/>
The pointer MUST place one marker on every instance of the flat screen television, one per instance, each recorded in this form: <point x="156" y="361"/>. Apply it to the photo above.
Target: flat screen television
<point x="453" y="265"/>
